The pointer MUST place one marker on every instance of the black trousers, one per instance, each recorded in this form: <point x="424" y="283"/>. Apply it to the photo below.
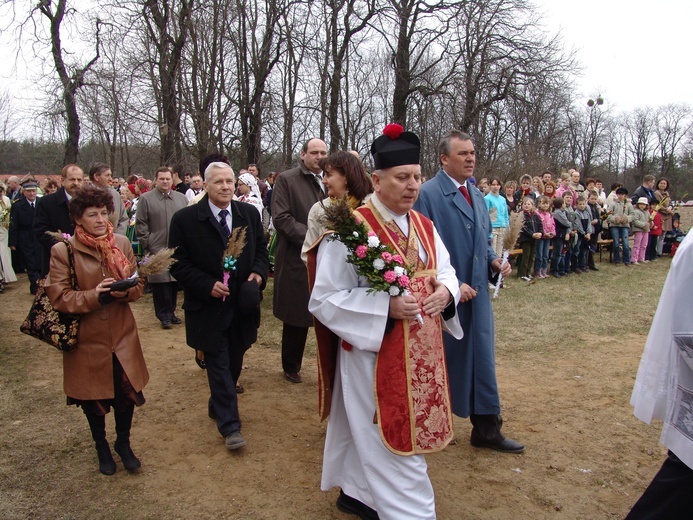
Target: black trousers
<point x="293" y="345"/>
<point x="165" y="296"/>
<point x="669" y="494"/>
<point x="223" y="369"/>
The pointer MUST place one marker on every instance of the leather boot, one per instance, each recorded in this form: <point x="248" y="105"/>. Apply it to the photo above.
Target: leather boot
<point x="123" y="420"/>
<point x="486" y="433"/>
<point x="97" y="425"/>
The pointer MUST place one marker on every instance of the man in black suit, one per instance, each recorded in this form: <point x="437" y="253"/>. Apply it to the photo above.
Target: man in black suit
<point x="22" y="238"/>
<point x="52" y="213"/>
<point x="221" y="318"/>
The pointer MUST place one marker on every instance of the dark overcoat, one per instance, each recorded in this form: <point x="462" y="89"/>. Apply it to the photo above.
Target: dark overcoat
<point x="51" y="215"/>
<point x="22" y="235"/>
<point x="200" y="242"/>
<point x="294" y="193"/>
<point x="465" y="232"/>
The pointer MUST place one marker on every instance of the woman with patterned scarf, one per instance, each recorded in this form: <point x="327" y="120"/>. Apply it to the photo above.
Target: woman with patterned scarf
<point x="250" y="191"/>
<point x="107" y="369"/>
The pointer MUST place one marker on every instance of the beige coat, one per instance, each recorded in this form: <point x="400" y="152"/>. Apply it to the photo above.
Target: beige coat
<point x="119" y="217"/>
<point x="103" y="330"/>
<point x="153" y="221"/>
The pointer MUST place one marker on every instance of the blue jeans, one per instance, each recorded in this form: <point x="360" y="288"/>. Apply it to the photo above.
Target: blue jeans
<point x="542" y="255"/>
<point x="557" y="258"/>
<point x="620" y="234"/>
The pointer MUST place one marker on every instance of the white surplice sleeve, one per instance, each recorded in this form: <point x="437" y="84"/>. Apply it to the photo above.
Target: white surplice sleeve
<point x="448" y="277"/>
<point x="340" y="300"/>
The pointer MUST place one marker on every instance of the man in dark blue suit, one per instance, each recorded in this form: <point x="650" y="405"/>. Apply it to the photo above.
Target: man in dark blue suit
<point x="52" y="213"/>
<point x="221" y="318"/>
<point x="22" y="238"/>
<point x="459" y="213"/>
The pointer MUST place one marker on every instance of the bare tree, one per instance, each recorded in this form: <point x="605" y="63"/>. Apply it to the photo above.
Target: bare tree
<point x="673" y="123"/>
<point x="168" y="26"/>
<point x="71" y="77"/>
<point x="640" y="139"/>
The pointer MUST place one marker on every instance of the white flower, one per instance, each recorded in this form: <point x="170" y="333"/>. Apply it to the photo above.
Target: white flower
<point x="379" y="264"/>
<point x="399" y="271"/>
<point x="393" y="290"/>
<point x="355" y="234"/>
<point x="373" y="241"/>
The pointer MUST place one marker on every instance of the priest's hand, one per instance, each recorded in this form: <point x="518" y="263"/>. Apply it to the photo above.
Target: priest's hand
<point x="439" y="297"/>
<point x="404" y="307"/>
<point x="504" y="268"/>
<point x="219" y="290"/>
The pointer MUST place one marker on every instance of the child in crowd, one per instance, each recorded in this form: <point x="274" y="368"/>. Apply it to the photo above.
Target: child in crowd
<point x="573" y="245"/>
<point x="483" y="186"/>
<point x="498" y="211"/>
<point x="565" y="188"/>
<point x="525" y="190"/>
<point x="541" y="264"/>
<point x="530" y="234"/>
<point x="584" y="230"/>
<point x="673" y="237"/>
<point x="596" y="211"/>
<point x="620" y="215"/>
<point x="560" y="241"/>
<point x="640" y="226"/>
<point x="655" y="232"/>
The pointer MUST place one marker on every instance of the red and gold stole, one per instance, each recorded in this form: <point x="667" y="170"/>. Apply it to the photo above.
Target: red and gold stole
<point x="412" y="394"/>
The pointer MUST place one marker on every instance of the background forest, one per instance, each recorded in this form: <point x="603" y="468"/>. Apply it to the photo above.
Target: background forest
<point x="139" y="83"/>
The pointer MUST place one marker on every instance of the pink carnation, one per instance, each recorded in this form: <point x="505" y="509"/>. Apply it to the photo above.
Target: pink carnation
<point x="404" y="281"/>
<point x="372" y="234"/>
<point x="386" y="256"/>
<point x="398" y="259"/>
<point x="389" y="276"/>
<point x="361" y="251"/>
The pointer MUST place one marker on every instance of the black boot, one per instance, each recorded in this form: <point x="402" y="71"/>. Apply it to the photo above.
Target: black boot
<point x="97" y="424"/>
<point x="123" y="420"/>
<point x="486" y="433"/>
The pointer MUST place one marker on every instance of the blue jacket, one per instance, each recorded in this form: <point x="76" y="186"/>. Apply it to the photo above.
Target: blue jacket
<point x="465" y="232"/>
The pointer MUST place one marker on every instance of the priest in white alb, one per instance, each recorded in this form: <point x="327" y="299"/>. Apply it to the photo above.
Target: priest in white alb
<point x="382" y="373"/>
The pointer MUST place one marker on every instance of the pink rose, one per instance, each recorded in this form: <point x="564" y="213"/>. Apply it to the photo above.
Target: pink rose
<point x="386" y="256"/>
<point x="372" y="234"/>
<point x="404" y="281"/>
<point x="361" y="251"/>
<point x="398" y="259"/>
<point x="389" y="276"/>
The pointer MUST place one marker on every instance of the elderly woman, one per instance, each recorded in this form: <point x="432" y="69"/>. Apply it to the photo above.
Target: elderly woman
<point x="250" y="191"/>
<point x="6" y="272"/>
<point x="343" y="175"/>
<point x="107" y="369"/>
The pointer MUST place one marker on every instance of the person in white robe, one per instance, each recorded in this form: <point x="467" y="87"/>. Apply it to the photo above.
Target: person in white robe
<point x="664" y="390"/>
<point x="375" y="482"/>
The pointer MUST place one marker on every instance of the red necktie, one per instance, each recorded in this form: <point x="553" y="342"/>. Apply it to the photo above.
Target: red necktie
<point x="465" y="192"/>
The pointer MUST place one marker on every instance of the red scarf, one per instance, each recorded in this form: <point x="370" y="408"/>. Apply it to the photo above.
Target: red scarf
<point x="111" y="256"/>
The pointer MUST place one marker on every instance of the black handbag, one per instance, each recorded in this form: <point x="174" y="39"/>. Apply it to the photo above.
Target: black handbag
<point x="56" y="328"/>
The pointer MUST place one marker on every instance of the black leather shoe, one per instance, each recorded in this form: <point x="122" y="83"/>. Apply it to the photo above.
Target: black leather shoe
<point x="166" y="325"/>
<point x="176" y="320"/>
<point x="351" y="506"/>
<point x="200" y="362"/>
<point x="240" y="389"/>
<point x="594" y="268"/>
<point x="506" y="445"/>
<point x="294" y="377"/>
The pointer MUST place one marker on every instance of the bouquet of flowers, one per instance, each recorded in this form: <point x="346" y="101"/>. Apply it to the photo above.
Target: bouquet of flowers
<point x="156" y="263"/>
<point x="234" y="248"/>
<point x="384" y="269"/>
<point x="4" y="216"/>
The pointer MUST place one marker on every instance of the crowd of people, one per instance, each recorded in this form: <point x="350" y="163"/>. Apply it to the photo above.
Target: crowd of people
<point x="224" y="231"/>
<point x="562" y="227"/>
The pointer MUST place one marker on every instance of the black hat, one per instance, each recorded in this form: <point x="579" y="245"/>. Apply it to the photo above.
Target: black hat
<point x="249" y="299"/>
<point x="395" y="148"/>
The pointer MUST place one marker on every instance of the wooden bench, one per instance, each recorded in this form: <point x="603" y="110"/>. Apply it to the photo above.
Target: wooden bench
<point x="604" y="243"/>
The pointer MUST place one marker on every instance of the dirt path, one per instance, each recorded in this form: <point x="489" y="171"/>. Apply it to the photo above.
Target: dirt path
<point x="587" y="457"/>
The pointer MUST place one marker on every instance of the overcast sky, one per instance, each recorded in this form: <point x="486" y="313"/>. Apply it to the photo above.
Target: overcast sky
<point x="635" y="53"/>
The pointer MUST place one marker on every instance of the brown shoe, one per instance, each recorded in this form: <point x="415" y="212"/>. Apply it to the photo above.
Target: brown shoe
<point x="294" y="377"/>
